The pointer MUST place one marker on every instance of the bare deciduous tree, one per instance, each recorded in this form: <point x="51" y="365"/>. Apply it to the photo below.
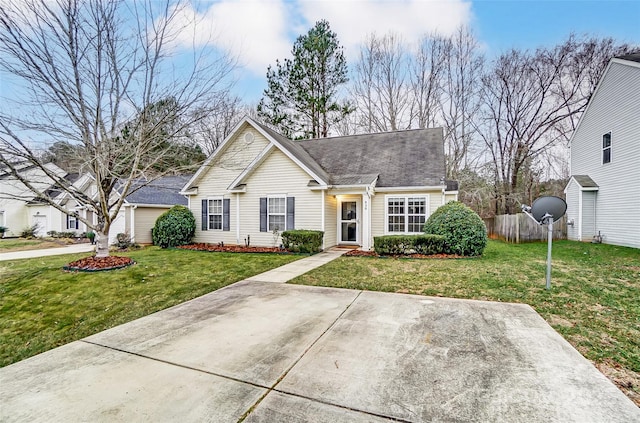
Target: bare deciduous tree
<point x="427" y="71"/>
<point x="531" y="103"/>
<point x="93" y="73"/>
<point x="381" y="86"/>
<point x="461" y="100"/>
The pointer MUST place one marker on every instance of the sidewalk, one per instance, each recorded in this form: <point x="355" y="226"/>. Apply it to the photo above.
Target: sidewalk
<point x="71" y="249"/>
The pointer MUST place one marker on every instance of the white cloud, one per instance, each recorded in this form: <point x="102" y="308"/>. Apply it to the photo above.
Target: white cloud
<point x="256" y="31"/>
<point x="260" y="32"/>
<point x="354" y="20"/>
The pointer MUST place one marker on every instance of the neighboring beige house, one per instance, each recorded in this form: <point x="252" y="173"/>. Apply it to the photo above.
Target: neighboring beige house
<point x="19" y="209"/>
<point x="142" y="208"/>
<point x="603" y="193"/>
<point x="259" y="183"/>
<point x="14" y="197"/>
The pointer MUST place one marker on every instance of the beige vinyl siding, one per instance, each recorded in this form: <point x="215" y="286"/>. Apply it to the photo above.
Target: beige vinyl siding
<point x="222" y="171"/>
<point x="614" y="108"/>
<point x="330" y="222"/>
<point x="277" y="175"/>
<point x="450" y="197"/>
<point x="378" y="207"/>
<point x="144" y="220"/>
<point x="573" y="206"/>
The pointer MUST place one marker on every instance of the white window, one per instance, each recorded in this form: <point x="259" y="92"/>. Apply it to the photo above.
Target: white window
<point x="406" y="214"/>
<point x="72" y="222"/>
<point x="606" y="148"/>
<point x="276" y="213"/>
<point x="215" y="213"/>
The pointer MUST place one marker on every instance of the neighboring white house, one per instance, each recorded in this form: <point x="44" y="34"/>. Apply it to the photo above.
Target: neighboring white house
<point x="353" y="188"/>
<point x="19" y="209"/>
<point x="15" y="196"/>
<point x="603" y="193"/>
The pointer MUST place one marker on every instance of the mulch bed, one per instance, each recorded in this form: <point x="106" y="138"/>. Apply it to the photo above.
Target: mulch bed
<point x="97" y="264"/>
<point x="361" y="253"/>
<point x="232" y="248"/>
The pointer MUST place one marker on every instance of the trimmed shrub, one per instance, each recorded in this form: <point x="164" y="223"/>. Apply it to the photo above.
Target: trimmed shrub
<point x="302" y="241"/>
<point x="176" y="226"/>
<point x="464" y="231"/>
<point x="408" y="244"/>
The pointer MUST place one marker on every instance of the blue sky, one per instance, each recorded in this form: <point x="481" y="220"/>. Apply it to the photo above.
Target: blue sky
<point x="258" y="32"/>
<point x="499" y="25"/>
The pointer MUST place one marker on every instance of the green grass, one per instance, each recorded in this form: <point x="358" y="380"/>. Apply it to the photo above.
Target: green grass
<point x="42" y="307"/>
<point x="21" y="244"/>
<point x="594" y="301"/>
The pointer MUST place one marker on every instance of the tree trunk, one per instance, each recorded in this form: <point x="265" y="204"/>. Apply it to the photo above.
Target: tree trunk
<point x="102" y="244"/>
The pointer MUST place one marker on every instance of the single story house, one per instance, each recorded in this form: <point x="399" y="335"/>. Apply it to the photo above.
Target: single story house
<point x="259" y="183"/>
<point x="142" y="207"/>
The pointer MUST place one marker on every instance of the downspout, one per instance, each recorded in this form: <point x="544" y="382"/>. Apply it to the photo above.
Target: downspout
<point x="133" y="222"/>
<point x="238" y="218"/>
<point x="322" y="213"/>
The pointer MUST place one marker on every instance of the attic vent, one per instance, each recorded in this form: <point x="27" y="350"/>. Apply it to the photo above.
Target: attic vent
<point x="248" y="137"/>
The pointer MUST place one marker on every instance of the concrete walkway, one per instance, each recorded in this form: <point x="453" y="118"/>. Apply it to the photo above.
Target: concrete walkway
<point x="258" y="351"/>
<point x="70" y="249"/>
<point x="299" y="267"/>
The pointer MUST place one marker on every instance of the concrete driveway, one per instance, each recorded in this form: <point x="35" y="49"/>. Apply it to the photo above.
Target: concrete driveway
<point x="269" y="352"/>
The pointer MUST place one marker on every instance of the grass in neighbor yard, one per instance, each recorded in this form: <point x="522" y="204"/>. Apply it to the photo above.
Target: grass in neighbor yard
<point x="21" y="244"/>
<point x="594" y="300"/>
<point x="42" y="307"/>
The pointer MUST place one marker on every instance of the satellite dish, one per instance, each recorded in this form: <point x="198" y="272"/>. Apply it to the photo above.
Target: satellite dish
<point x="545" y="206"/>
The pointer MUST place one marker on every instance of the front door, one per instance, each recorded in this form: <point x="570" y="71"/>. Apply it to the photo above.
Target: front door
<point x="349" y="222"/>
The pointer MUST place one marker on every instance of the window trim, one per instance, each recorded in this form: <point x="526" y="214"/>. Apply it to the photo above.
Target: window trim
<point x="606" y="148"/>
<point x="221" y="214"/>
<point x="406" y="214"/>
<point x="283" y="214"/>
<point x="71" y="218"/>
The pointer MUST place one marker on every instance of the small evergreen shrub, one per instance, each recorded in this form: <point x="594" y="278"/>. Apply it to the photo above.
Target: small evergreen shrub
<point x="29" y="232"/>
<point x="123" y="241"/>
<point x="176" y="226"/>
<point x="302" y="241"/>
<point x="408" y="244"/>
<point x="464" y="231"/>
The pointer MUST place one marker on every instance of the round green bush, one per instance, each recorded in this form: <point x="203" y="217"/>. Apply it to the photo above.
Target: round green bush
<point x="176" y="226"/>
<point x="464" y="231"/>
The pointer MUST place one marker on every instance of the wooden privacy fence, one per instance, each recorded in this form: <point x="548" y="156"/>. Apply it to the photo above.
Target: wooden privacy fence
<point x="519" y="228"/>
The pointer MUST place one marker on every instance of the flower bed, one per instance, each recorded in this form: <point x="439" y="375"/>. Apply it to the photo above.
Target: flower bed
<point x="97" y="264"/>
<point x="361" y="253"/>
<point x="231" y="248"/>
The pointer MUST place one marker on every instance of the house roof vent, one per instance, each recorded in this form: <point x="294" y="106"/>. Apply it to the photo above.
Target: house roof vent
<point x="248" y="137"/>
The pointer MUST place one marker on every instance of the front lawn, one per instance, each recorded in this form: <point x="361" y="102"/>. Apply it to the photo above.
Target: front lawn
<point x="21" y="244"/>
<point x="594" y="301"/>
<point x="42" y="307"/>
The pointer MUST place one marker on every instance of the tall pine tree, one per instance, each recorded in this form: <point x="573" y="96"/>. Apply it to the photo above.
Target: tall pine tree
<point x="301" y="96"/>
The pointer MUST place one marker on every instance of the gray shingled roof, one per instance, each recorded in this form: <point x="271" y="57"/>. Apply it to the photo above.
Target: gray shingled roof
<point x="54" y="191"/>
<point x="632" y="57"/>
<point x="165" y="191"/>
<point x="401" y="158"/>
<point x="585" y="181"/>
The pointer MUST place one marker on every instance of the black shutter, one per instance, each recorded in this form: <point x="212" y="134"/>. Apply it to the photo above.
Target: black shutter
<point x="263" y="214"/>
<point x="226" y="203"/>
<point x="291" y="213"/>
<point x="205" y="214"/>
<point x="76" y="222"/>
<point x="68" y="223"/>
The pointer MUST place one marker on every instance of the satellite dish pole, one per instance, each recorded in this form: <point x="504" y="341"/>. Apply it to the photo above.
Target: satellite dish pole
<point x="546" y="210"/>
